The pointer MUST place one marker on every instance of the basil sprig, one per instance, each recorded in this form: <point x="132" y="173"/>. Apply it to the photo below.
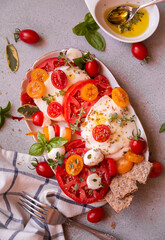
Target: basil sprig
<point x="4" y="113"/>
<point x="162" y="128"/>
<point x="89" y="28"/>
<point x="37" y="149"/>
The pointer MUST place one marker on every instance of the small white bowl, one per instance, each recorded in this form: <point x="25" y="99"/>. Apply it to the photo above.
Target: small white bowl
<point x="98" y="7"/>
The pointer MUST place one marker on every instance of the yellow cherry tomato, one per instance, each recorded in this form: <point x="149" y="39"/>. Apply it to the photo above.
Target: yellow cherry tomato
<point x="74" y="165"/>
<point x="89" y="92"/>
<point x="39" y="74"/>
<point x="132" y="157"/>
<point x="46" y="133"/>
<point x="120" y="97"/>
<point x="123" y="165"/>
<point x="35" y="89"/>
<point x="68" y="134"/>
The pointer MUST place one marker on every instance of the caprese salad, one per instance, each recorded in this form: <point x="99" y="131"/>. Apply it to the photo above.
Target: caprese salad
<point x="76" y="102"/>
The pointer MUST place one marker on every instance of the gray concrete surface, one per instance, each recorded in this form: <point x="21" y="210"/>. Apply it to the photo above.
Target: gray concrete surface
<point x="145" y="84"/>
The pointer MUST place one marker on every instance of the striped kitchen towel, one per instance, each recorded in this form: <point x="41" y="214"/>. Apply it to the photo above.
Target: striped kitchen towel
<point x="16" y="177"/>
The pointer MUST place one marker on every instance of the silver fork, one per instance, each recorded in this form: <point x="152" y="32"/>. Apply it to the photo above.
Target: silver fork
<point x="52" y="216"/>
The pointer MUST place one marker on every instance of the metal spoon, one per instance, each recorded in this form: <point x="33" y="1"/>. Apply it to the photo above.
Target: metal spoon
<point x="123" y="14"/>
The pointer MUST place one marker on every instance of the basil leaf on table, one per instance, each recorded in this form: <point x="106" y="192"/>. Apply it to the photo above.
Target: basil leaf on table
<point x="96" y="40"/>
<point x="162" y="128"/>
<point x="7" y="108"/>
<point x="41" y="138"/>
<point x="37" y="149"/>
<point x="80" y="29"/>
<point x="4" y="114"/>
<point x="2" y="120"/>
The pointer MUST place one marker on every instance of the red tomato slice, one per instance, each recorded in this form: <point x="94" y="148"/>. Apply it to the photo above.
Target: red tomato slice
<point x="54" y="109"/>
<point x="76" y="187"/>
<point x="59" y="79"/>
<point x="26" y="99"/>
<point x="102" y="79"/>
<point x="78" y="143"/>
<point x="101" y="133"/>
<point x="73" y="102"/>
<point x="112" y="166"/>
<point x="51" y="63"/>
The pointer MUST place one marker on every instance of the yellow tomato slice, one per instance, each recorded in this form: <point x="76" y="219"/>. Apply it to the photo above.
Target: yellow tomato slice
<point x="123" y="165"/>
<point x="46" y="133"/>
<point x="68" y="134"/>
<point x="74" y="165"/>
<point x="89" y="92"/>
<point x="35" y="89"/>
<point x="132" y="157"/>
<point x="120" y="97"/>
<point x="39" y="74"/>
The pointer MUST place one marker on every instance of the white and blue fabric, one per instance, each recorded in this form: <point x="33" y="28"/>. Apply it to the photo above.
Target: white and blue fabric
<point x="16" y="177"/>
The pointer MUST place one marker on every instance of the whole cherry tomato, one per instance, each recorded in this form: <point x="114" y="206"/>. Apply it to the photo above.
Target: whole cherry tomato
<point x="27" y="35"/>
<point x="95" y="215"/>
<point x="139" y="51"/>
<point x="38" y="118"/>
<point x="92" y="68"/>
<point x="42" y="168"/>
<point x="138" y="145"/>
<point x="156" y="170"/>
<point x="26" y="99"/>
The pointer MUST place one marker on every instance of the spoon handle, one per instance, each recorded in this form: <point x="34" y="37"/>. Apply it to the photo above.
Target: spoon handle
<point x="149" y="4"/>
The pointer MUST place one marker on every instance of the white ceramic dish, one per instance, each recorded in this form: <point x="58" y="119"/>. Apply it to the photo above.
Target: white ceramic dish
<point x="98" y="8"/>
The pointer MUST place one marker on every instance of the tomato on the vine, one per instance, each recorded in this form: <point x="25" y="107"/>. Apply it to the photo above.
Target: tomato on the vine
<point x="95" y="215"/>
<point x="139" y="51"/>
<point x="42" y="168"/>
<point x="156" y="169"/>
<point x="38" y="118"/>
<point x="92" y="68"/>
<point x="138" y="146"/>
<point x="27" y="35"/>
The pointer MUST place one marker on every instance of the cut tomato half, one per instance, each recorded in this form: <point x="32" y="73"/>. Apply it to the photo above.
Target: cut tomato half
<point x="76" y="187"/>
<point x="51" y="63"/>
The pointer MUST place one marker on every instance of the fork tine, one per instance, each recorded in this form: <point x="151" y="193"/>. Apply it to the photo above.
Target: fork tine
<point x="33" y="210"/>
<point x="29" y="203"/>
<point x="36" y="216"/>
<point x="25" y="195"/>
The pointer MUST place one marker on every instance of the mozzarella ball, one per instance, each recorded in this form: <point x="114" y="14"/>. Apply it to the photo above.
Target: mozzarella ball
<point x="93" y="157"/>
<point x="54" y="151"/>
<point x="73" y="53"/>
<point x="94" y="181"/>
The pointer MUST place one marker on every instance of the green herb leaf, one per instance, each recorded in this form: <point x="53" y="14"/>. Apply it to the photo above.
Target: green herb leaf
<point x="80" y="62"/>
<point x="89" y="19"/>
<point x="76" y="187"/>
<point x="81" y="179"/>
<point x="93" y="169"/>
<point x="71" y="165"/>
<point x="57" y="142"/>
<point x="162" y="128"/>
<point x="94" y="180"/>
<point x="7" y="108"/>
<point x="96" y="40"/>
<point x="12" y="57"/>
<point x="37" y="149"/>
<point x="4" y="114"/>
<point x="7" y="115"/>
<point x="80" y="29"/>
<point x="89" y="156"/>
<point x="41" y="138"/>
<point x="28" y="110"/>
<point x="2" y="121"/>
<point x="76" y="161"/>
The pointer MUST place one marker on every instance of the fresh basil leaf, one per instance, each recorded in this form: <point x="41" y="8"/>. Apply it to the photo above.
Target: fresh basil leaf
<point x="37" y="149"/>
<point x="41" y="138"/>
<point x="57" y="142"/>
<point x="80" y="29"/>
<point x="80" y="62"/>
<point x="89" y="19"/>
<point x="92" y="27"/>
<point x="2" y="121"/>
<point x="7" y="115"/>
<point x="48" y="147"/>
<point x="7" y="108"/>
<point x="162" y="128"/>
<point x="96" y="40"/>
<point x="28" y="110"/>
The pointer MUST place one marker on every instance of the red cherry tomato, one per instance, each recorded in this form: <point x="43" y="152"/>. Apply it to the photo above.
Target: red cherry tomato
<point x="101" y="133"/>
<point x="95" y="215"/>
<point x="112" y="166"/>
<point x="139" y="51"/>
<point x="38" y="118"/>
<point x="28" y="36"/>
<point x="54" y="109"/>
<point x="156" y="170"/>
<point x="138" y="146"/>
<point x="26" y="99"/>
<point x="44" y="170"/>
<point x="92" y="68"/>
<point x="59" y="79"/>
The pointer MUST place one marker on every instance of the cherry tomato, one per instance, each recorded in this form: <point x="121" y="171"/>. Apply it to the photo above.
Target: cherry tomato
<point x="39" y="74"/>
<point x="102" y="79"/>
<point x="95" y="215"/>
<point x="112" y="166"/>
<point x="132" y="157"/>
<point x="89" y="92"/>
<point x="92" y="68"/>
<point x="120" y="97"/>
<point x="54" y="109"/>
<point x="35" y="89"/>
<point x="38" y="118"/>
<point x="139" y="51"/>
<point x="27" y="36"/>
<point x="44" y="170"/>
<point x="59" y="79"/>
<point x="123" y="165"/>
<point x="26" y="99"/>
<point x="101" y="133"/>
<point x="74" y="165"/>
<point x="138" y="145"/>
<point x="156" y="170"/>
<point x="78" y="143"/>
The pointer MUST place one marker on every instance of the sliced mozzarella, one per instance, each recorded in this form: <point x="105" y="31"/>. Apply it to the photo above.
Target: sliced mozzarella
<point x="94" y="181"/>
<point x="54" y="151"/>
<point x="62" y="131"/>
<point x="73" y="53"/>
<point x="46" y="122"/>
<point x="51" y="132"/>
<point x="93" y="157"/>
